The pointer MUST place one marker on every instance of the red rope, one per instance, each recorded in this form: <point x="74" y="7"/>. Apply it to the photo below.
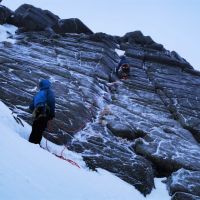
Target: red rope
<point x="63" y="151"/>
<point x="72" y="131"/>
<point x="68" y="160"/>
<point x="61" y="156"/>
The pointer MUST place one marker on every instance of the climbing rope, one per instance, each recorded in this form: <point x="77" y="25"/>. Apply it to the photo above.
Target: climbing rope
<point x="61" y="155"/>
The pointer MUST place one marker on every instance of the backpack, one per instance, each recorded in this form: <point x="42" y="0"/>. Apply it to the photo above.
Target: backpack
<point x="40" y="104"/>
<point x="41" y="111"/>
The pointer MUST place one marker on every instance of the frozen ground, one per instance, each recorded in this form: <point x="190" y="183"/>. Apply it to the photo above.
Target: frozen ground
<point x="30" y="172"/>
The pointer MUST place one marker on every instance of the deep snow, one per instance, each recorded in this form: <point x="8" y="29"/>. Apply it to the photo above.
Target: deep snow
<point x="30" y="172"/>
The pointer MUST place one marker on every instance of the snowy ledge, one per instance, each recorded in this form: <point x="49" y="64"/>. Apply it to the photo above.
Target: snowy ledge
<point x="7" y="32"/>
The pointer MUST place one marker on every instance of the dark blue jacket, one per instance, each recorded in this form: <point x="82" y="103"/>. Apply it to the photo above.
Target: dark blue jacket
<point x="44" y="96"/>
<point x="122" y="62"/>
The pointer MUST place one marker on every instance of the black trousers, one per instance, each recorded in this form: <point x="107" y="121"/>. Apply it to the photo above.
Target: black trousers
<point x="38" y="127"/>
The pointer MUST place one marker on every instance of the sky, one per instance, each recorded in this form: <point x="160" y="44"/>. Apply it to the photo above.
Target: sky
<point x="173" y="23"/>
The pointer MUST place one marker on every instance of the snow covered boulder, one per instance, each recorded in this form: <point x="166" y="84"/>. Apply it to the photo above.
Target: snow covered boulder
<point x="5" y="14"/>
<point x="121" y="130"/>
<point x="169" y="152"/>
<point x="184" y="181"/>
<point x="34" y="19"/>
<point x="184" y="196"/>
<point x="72" y="25"/>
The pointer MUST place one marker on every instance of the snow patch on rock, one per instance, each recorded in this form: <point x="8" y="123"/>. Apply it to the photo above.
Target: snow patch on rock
<point x="119" y="52"/>
<point x="7" y="32"/>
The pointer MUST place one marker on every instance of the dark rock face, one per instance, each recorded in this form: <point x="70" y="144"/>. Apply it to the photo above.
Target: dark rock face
<point x="34" y="19"/>
<point x="184" y="181"/>
<point x="79" y="70"/>
<point x="5" y="14"/>
<point x="138" y="38"/>
<point x="138" y="128"/>
<point x="121" y="130"/>
<point x="184" y="196"/>
<point x="105" y="152"/>
<point x="73" y="25"/>
<point x="30" y="18"/>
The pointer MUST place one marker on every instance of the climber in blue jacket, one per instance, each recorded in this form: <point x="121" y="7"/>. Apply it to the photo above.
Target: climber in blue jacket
<point x="43" y="109"/>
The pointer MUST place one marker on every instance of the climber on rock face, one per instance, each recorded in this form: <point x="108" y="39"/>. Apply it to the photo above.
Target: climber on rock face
<point x="43" y="108"/>
<point x="122" y="72"/>
<point x="123" y="68"/>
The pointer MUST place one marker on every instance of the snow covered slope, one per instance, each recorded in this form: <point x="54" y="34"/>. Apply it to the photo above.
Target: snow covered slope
<point x="30" y="172"/>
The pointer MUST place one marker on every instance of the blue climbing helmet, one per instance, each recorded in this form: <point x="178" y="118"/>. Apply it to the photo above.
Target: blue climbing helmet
<point x="44" y="84"/>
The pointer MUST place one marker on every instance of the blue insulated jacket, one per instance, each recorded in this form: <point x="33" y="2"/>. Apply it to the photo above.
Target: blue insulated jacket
<point x="44" y="96"/>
